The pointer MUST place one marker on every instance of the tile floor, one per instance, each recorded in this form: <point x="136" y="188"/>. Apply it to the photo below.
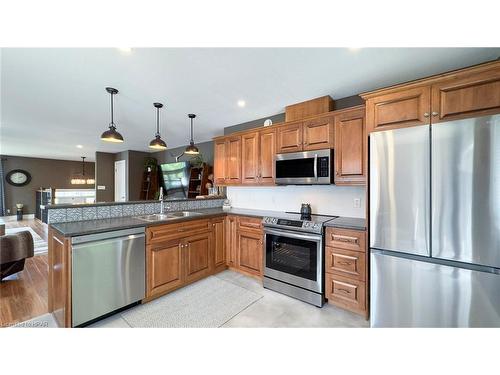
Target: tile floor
<point x="273" y="310"/>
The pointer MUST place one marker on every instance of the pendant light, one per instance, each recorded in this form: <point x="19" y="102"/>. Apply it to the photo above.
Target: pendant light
<point x="80" y="180"/>
<point x="191" y="149"/>
<point x="112" y="135"/>
<point x="158" y="143"/>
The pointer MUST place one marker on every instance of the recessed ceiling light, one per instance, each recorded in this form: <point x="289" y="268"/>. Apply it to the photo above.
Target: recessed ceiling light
<point x="241" y="103"/>
<point x="125" y="49"/>
<point x="354" y="49"/>
<point x="79" y="146"/>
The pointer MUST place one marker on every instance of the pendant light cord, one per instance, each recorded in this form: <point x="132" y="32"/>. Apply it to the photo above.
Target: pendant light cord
<point x="112" y="118"/>
<point x="192" y="141"/>
<point x="157" y="121"/>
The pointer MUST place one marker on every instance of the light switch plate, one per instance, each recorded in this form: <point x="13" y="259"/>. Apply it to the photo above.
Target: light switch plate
<point x="357" y="203"/>
<point x="101" y="187"/>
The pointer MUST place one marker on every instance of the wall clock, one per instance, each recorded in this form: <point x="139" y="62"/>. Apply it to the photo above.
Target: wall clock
<point x="18" y="177"/>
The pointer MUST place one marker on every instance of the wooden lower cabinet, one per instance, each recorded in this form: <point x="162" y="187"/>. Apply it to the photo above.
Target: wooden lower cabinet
<point x="198" y="251"/>
<point x="219" y="243"/>
<point x="346" y="269"/>
<point x="231" y="240"/>
<point x="346" y="293"/>
<point x="250" y="252"/>
<point x="164" y="267"/>
<point x="178" y="254"/>
<point x="59" y="283"/>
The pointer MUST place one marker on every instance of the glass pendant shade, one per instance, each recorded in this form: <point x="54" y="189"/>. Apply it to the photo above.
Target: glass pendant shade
<point x="112" y="135"/>
<point x="158" y="143"/>
<point x="191" y="149"/>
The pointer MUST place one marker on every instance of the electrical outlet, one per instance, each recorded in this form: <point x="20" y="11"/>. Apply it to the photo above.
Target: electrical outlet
<point x="357" y="203"/>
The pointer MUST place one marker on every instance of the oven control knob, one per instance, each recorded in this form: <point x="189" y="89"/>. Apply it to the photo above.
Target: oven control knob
<point x="307" y="224"/>
<point x="316" y="226"/>
<point x="275" y="220"/>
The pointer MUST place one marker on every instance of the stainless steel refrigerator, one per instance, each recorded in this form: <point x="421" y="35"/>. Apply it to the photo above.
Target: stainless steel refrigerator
<point x="435" y="225"/>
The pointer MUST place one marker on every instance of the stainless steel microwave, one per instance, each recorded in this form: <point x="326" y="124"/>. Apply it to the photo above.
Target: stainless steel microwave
<point x="305" y="168"/>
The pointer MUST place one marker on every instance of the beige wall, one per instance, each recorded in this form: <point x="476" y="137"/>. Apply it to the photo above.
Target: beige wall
<point x="44" y="173"/>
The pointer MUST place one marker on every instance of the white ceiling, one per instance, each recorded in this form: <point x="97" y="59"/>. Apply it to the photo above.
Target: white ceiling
<point x="54" y="99"/>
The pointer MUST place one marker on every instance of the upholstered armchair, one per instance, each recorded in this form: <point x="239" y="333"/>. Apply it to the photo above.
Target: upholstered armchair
<point x="14" y="249"/>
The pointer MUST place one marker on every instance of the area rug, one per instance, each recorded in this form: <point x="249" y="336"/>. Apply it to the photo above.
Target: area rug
<point x="208" y="303"/>
<point x="40" y="245"/>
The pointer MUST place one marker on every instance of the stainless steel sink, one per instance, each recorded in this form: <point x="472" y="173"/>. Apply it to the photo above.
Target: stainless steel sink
<point x="169" y="216"/>
<point x="183" y="213"/>
<point x="154" y="217"/>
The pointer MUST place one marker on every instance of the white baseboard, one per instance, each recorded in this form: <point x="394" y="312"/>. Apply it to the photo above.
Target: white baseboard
<point x="14" y="217"/>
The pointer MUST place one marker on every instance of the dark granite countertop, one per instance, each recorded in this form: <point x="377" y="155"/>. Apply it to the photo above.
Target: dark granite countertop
<point x="79" y="228"/>
<point x="347" y="223"/>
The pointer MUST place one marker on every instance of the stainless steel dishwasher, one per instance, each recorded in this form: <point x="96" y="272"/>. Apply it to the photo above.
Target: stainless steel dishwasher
<point x="108" y="273"/>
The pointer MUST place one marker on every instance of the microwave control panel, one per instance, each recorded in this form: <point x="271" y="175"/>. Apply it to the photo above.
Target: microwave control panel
<point x="323" y="166"/>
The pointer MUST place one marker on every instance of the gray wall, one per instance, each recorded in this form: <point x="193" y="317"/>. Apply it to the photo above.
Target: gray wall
<point x="44" y="173"/>
<point x="168" y="156"/>
<point x="105" y="176"/>
<point x="135" y="173"/>
<point x="105" y="173"/>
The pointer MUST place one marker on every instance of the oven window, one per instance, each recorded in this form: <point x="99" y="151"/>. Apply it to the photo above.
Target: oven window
<point x="295" y="168"/>
<point x="293" y="256"/>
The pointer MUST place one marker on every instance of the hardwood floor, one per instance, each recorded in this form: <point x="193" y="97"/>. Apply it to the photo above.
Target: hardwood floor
<point x="24" y="295"/>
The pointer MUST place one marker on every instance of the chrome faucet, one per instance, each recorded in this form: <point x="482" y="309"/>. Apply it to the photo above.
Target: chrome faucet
<point x="161" y="199"/>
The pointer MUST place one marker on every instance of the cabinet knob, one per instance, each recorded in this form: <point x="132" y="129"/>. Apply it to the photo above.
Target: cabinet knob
<point x="435" y="113"/>
<point x="426" y="114"/>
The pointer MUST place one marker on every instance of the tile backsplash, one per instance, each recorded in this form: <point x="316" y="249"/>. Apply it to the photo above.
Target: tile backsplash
<point x="63" y="215"/>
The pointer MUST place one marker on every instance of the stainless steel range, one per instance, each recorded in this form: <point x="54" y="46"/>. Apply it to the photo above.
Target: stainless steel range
<point x="294" y="256"/>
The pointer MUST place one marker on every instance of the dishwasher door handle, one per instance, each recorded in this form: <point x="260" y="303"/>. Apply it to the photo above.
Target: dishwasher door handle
<point x="83" y="245"/>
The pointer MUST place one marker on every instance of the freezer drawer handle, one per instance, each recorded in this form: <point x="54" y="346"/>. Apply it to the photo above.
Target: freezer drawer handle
<point x="337" y="237"/>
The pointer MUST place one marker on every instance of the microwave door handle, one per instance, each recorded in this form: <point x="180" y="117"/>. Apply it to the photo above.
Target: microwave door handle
<point x="316" y="166"/>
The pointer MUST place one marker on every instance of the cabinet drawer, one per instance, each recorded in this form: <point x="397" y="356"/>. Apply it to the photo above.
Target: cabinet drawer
<point x="346" y="263"/>
<point x="168" y="231"/>
<point x="347" y="293"/>
<point x="250" y="223"/>
<point x="347" y="239"/>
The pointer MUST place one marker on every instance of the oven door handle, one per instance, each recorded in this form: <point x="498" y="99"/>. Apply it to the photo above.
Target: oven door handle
<point x="300" y="236"/>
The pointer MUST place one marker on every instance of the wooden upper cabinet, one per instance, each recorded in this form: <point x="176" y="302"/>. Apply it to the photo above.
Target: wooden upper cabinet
<point x="233" y="160"/>
<point x="399" y="109"/>
<point x="267" y="142"/>
<point x="467" y="95"/>
<point x="220" y="161"/>
<point x="350" y="147"/>
<point x="318" y="133"/>
<point x="290" y="138"/>
<point x="250" y="158"/>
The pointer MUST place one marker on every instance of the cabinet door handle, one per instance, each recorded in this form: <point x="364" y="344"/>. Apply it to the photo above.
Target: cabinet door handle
<point x="344" y="263"/>
<point x="340" y="238"/>
<point x="426" y="114"/>
<point x="345" y="291"/>
<point x="435" y="113"/>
